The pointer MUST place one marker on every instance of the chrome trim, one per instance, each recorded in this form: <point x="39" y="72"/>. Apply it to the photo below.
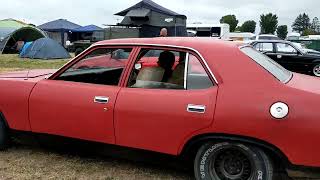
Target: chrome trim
<point x="196" y="108"/>
<point x="186" y="71"/>
<point x="155" y="45"/>
<point x="101" y="99"/>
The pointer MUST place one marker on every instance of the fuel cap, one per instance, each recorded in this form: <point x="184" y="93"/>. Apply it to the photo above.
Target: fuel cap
<point x="279" y="110"/>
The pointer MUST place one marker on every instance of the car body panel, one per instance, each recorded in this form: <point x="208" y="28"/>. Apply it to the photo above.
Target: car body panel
<point x="157" y="120"/>
<point x="68" y="109"/>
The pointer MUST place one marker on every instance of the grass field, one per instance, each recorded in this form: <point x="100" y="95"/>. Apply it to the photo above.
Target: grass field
<point x="11" y="62"/>
<point x="32" y="162"/>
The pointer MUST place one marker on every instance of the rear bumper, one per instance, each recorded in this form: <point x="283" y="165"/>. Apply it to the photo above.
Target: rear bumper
<point x="304" y="172"/>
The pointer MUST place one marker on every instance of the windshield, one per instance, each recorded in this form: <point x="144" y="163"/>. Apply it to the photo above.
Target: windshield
<point x="271" y="66"/>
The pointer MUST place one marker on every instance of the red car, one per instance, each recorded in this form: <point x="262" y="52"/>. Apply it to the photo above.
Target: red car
<point x="233" y="110"/>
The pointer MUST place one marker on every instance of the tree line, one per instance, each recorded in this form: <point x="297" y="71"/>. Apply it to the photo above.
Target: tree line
<point x="269" y="25"/>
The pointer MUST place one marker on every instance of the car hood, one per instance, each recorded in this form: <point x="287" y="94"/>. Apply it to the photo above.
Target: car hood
<point x="28" y="73"/>
<point x="305" y="83"/>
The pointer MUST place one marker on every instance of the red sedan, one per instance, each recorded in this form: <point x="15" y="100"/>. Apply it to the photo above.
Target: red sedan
<point x="236" y="112"/>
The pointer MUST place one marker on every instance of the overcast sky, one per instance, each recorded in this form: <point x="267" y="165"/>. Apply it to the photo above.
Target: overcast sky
<point x="99" y="12"/>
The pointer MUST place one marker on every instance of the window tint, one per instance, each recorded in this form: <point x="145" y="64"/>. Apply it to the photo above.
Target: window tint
<point x="167" y="70"/>
<point x="264" y="47"/>
<point x="101" y="66"/>
<point x="197" y="76"/>
<point x="285" y="48"/>
<point x="274" y="68"/>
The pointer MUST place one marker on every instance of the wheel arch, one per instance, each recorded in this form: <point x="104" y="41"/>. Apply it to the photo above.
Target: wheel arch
<point x="191" y="147"/>
<point x="2" y="118"/>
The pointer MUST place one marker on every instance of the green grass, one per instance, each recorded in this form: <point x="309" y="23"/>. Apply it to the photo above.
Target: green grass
<point x="12" y="62"/>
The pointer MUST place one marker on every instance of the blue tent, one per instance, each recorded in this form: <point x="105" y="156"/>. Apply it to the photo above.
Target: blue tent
<point x="59" y="29"/>
<point x="89" y="28"/>
<point x="45" y="48"/>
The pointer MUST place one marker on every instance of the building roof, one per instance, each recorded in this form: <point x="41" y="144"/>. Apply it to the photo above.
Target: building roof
<point x="58" y="25"/>
<point x="148" y="4"/>
<point x="89" y="28"/>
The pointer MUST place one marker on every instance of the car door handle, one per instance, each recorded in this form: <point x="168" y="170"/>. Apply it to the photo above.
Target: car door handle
<point x="101" y="99"/>
<point x="196" y="108"/>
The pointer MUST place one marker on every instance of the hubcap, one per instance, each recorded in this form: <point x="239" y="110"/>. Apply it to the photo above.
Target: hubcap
<point x="316" y="70"/>
<point x="231" y="164"/>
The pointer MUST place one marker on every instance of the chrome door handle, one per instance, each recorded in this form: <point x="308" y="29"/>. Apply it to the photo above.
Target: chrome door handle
<point x="101" y="99"/>
<point x="196" y="108"/>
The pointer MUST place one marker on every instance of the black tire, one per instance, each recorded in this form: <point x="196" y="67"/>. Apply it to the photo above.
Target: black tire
<point x="316" y="70"/>
<point x="4" y="136"/>
<point x="78" y="51"/>
<point x="232" y="161"/>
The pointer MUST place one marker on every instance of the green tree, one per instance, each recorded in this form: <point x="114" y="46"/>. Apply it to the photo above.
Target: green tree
<point x="301" y="23"/>
<point x="282" y="31"/>
<point x="268" y="23"/>
<point x="231" y="20"/>
<point x="248" y="26"/>
<point x="315" y="25"/>
<point x="308" y="32"/>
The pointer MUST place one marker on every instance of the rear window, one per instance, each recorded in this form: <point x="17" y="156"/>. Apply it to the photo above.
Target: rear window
<point x="271" y="66"/>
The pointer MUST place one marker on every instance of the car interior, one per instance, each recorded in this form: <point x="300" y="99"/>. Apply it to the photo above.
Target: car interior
<point x="102" y="66"/>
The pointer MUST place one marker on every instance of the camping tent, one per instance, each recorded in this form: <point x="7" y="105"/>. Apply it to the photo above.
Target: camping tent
<point x="90" y="32"/>
<point x="58" y="30"/>
<point x="45" y="48"/>
<point x="151" y="17"/>
<point x="12" y="31"/>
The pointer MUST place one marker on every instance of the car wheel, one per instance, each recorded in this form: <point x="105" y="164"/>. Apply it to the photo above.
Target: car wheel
<point x="232" y="161"/>
<point x="4" y="137"/>
<point x="316" y="70"/>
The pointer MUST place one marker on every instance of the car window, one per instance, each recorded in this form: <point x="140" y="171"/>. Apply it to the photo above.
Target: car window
<point x="167" y="70"/>
<point x="271" y="66"/>
<point x="197" y="76"/>
<point x="285" y="48"/>
<point x="101" y="66"/>
<point x="264" y="47"/>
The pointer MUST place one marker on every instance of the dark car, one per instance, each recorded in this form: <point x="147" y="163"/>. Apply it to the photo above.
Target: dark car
<point x="290" y="56"/>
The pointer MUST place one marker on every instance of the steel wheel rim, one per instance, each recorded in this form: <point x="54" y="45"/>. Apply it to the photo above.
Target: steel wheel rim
<point x="231" y="164"/>
<point x="316" y="70"/>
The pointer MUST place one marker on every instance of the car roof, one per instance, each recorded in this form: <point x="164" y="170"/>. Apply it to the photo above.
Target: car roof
<point x="188" y="42"/>
<point x="271" y="41"/>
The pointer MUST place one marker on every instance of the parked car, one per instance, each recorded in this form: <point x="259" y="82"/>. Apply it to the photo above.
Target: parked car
<point x="265" y="37"/>
<point x="291" y="56"/>
<point x="231" y="109"/>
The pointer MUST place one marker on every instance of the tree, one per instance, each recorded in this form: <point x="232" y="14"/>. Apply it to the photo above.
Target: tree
<point x="301" y="23"/>
<point x="268" y="23"/>
<point x="231" y="20"/>
<point x="282" y="31"/>
<point x="315" y="25"/>
<point x="308" y="32"/>
<point x="248" y="26"/>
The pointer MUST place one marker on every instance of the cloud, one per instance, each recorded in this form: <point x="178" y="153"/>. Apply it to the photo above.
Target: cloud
<point x="101" y="12"/>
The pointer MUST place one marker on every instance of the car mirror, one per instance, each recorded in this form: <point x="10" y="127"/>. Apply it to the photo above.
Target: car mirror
<point x="137" y="66"/>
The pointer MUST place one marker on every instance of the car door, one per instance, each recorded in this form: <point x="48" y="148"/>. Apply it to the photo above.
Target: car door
<point x="289" y="57"/>
<point x="156" y="114"/>
<point x="79" y="101"/>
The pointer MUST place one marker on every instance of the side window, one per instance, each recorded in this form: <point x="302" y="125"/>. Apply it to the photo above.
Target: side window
<point x="167" y="70"/>
<point x="158" y="69"/>
<point x="197" y="76"/>
<point x="286" y="48"/>
<point x="264" y="47"/>
<point x="101" y="66"/>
